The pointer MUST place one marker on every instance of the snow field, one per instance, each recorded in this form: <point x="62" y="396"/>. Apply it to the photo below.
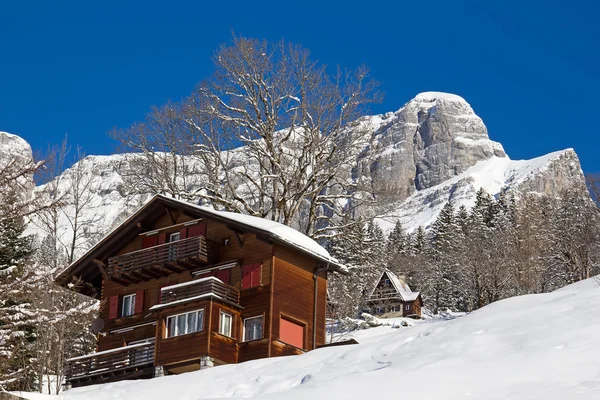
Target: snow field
<point x="544" y="346"/>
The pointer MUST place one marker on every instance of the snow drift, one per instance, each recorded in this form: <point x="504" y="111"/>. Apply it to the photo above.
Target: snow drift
<point x="543" y="346"/>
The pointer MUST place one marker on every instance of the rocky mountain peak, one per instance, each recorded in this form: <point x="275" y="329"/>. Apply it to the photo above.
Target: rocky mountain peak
<point x="432" y="138"/>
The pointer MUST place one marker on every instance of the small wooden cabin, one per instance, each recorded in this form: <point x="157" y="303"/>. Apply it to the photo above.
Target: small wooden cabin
<point x="392" y="297"/>
<point x="184" y="287"/>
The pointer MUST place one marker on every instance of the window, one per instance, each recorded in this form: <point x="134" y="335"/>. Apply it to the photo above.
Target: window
<point x="128" y="305"/>
<point x="174" y="237"/>
<point x="185" y="323"/>
<point x="291" y="333"/>
<point x="378" y="310"/>
<point x="397" y="308"/>
<point x="407" y="308"/>
<point x="253" y="328"/>
<point x="225" y="323"/>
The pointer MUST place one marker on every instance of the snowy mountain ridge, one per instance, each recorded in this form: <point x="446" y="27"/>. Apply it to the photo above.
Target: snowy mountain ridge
<point x="432" y="150"/>
<point x="546" y="174"/>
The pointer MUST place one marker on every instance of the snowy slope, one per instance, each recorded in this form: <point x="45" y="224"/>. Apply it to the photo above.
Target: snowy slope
<point x="544" y="346"/>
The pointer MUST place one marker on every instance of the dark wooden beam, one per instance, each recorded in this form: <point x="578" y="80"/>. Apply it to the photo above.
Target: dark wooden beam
<point x="140" y="275"/>
<point x="160" y="271"/>
<point x="186" y="264"/>
<point x="173" y="267"/>
<point x="102" y="267"/>
<point x="238" y="239"/>
<point x="170" y="214"/>
<point x="126" y="277"/>
<point x="149" y="272"/>
<point x="120" y="281"/>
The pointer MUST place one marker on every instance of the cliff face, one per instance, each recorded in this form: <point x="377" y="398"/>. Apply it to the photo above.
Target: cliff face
<point x="434" y="137"/>
<point x="16" y="154"/>
<point x="435" y="148"/>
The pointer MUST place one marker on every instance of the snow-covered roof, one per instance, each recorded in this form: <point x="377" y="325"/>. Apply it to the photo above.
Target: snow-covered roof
<point x="400" y="285"/>
<point x="284" y="233"/>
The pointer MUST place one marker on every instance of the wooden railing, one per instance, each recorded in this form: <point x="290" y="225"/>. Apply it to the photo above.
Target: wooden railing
<point x="111" y="361"/>
<point x="193" y="247"/>
<point x="200" y="287"/>
<point x="385" y="294"/>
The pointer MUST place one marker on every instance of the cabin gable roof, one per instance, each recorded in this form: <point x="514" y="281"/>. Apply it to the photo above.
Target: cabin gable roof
<point x="144" y="218"/>
<point x="401" y="287"/>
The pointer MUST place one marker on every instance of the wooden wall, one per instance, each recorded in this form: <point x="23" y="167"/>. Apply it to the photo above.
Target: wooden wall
<point x="287" y="288"/>
<point x="256" y="301"/>
<point x="293" y="297"/>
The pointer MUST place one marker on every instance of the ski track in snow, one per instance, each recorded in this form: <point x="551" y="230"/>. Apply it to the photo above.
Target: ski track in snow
<point x="544" y="346"/>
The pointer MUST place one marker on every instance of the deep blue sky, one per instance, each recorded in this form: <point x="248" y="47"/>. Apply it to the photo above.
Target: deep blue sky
<point x="530" y="69"/>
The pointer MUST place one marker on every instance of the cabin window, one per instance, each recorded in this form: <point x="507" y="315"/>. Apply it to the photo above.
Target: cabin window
<point x="407" y="308"/>
<point x="225" y="322"/>
<point x="253" y="328"/>
<point x="378" y="310"/>
<point x="396" y="308"/>
<point x="182" y="324"/>
<point x="128" y="305"/>
<point x="291" y="333"/>
<point x="173" y="237"/>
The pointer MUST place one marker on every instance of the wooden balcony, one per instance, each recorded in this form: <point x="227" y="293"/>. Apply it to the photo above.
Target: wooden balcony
<point x="209" y="287"/>
<point x="135" y="361"/>
<point x="384" y="294"/>
<point x="161" y="260"/>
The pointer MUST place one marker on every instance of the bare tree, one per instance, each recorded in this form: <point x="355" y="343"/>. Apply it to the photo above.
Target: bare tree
<point x="270" y="134"/>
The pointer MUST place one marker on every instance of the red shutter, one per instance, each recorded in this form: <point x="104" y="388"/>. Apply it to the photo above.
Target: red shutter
<point x="198" y="229"/>
<point x="114" y="307"/>
<point x="291" y="333"/>
<point x="149" y="241"/>
<point x="139" y="301"/>
<point x="162" y="238"/>
<point x="256" y="275"/>
<point x="183" y="233"/>
<point x="224" y="275"/>
<point x="251" y="275"/>
<point x="246" y="276"/>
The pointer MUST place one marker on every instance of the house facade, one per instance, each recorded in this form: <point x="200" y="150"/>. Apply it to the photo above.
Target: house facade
<point x="184" y="287"/>
<point x="392" y="296"/>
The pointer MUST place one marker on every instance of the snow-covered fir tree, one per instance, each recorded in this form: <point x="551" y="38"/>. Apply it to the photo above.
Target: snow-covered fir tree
<point x="18" y="320"/>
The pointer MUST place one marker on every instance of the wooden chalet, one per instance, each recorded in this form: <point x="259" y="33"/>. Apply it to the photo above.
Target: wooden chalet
<point x="392" y="297"/>
<point x="184" y="287"/>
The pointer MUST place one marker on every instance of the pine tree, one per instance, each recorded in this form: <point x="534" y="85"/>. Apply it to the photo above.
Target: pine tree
<point x="17" y="319"/>
<point x="396" y="244"/>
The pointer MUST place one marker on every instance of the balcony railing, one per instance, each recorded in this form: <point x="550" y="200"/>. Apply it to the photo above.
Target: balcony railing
<point x="121" y="360"/>
<point x="196" y="289"/>
<point x="160" y="260"/>
<point x="385" y="294"/>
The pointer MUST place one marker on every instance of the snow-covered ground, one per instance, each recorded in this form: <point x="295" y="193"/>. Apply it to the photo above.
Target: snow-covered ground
<point x="543" y="346"/>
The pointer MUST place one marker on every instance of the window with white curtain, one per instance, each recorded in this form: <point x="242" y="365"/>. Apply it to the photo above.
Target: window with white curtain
<point x="182" y="324"/>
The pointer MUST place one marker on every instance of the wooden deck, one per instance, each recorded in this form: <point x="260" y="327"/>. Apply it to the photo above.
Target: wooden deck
<point x="161" y="260"/>
<point x="201" y="287"/>
<point x="128" y="362"/>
